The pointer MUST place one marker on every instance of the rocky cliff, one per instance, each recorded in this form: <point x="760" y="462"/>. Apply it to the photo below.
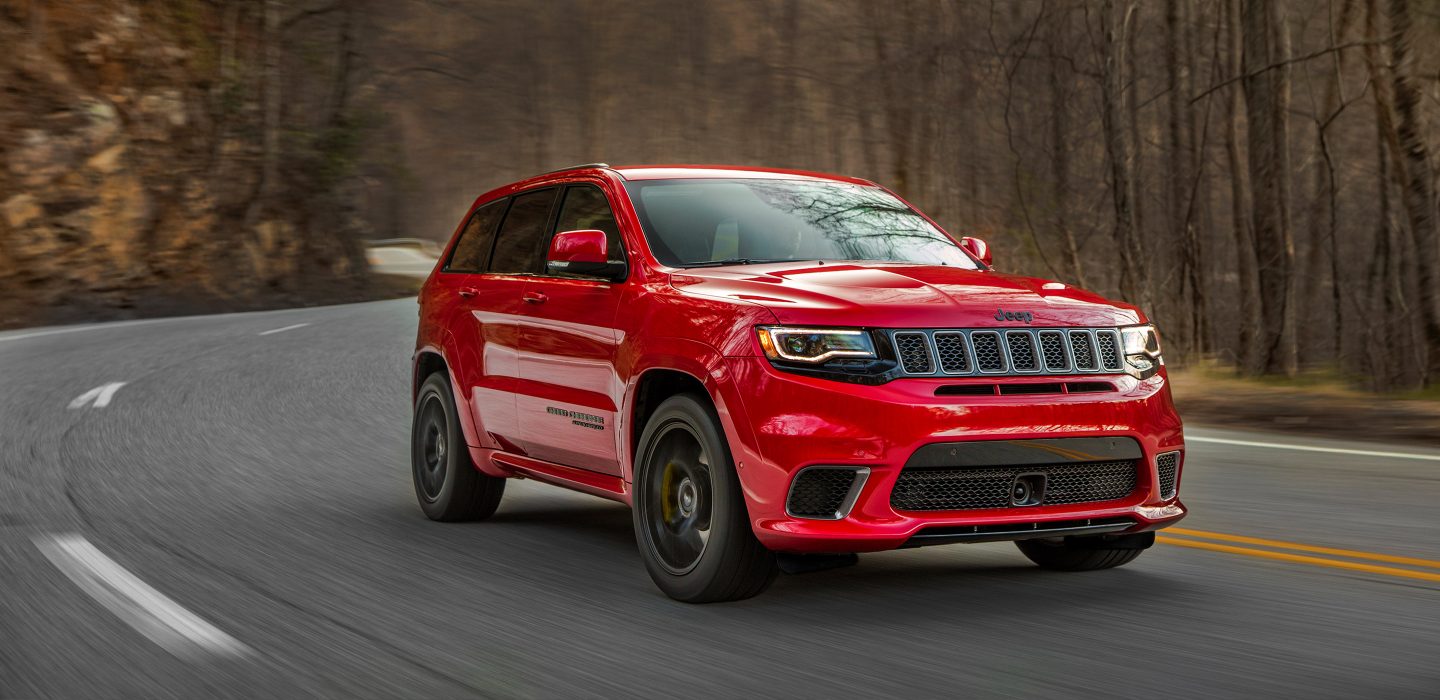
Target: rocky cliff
<point x="131" y="169"/>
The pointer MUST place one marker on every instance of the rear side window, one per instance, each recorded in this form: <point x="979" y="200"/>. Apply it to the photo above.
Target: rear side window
<point x="472" y="251"/>
<point x="586" y="208"/>
<point x="518" y="247"/>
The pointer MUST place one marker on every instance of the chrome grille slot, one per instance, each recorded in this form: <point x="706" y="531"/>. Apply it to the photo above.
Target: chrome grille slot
<point x="1082" y="345"/>
<point x="987" y="351"/>
<point x="1052" y="347"/>
<point x="914" y="352"/>
<point x="954" y="357"/>
<point x="1109" y="344"/>
<point x="1021" y="345"/>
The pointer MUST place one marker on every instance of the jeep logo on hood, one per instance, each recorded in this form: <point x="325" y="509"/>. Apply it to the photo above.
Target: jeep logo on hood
<point x="1003" y="315"/>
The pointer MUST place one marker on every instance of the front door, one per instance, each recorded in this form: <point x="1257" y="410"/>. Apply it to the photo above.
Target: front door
<point x="569" y="404"/>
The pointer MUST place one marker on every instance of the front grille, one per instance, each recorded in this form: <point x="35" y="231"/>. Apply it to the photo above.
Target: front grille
<point x="1009" y="351"/>
<point x="968" y="488"/>
<point x="1168" y="466"/>
<point x="822" y="492"/>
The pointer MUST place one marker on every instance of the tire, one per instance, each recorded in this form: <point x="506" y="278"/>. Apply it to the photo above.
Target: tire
<point x="690" y="519"/>
<point x="447" y="484"/>
<point x="1086" y="553"/>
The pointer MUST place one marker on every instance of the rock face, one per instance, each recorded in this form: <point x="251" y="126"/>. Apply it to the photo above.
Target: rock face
<point x="129" y="171"/>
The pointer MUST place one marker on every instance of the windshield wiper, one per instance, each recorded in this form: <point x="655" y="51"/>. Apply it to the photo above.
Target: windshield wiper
<point x="735" y="261"/>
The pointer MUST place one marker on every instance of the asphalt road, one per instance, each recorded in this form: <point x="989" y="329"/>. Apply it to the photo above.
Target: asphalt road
<point x="251" y="491"/>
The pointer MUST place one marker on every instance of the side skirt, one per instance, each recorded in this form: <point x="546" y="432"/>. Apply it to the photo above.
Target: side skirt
<point x="584" y="481"/>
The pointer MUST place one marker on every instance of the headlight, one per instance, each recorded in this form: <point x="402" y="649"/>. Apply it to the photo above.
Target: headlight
<point x="815" y="345"/>
<point x="1142" y="351"/>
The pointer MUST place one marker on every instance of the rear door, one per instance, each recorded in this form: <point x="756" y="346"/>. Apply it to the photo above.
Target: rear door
<point x="572" y="392"/>
<point x="487" y="320"/>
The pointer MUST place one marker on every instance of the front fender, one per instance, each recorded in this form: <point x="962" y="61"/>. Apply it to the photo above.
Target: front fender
<point x="707" y="365"/>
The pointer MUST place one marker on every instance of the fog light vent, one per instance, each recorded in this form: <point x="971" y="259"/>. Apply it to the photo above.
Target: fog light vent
<point x="825" y="493"/>
<point x="1168" y="467"/>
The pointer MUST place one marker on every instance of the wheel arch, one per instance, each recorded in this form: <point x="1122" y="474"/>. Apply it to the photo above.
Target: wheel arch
<point x="429" y="360"/>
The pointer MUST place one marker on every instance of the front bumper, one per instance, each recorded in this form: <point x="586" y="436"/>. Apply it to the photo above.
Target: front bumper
<point x="798" y="422"/>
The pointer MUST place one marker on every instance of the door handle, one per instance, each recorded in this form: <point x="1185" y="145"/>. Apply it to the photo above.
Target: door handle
<point x="468" y="292"/>
<point x="534" y="298"/>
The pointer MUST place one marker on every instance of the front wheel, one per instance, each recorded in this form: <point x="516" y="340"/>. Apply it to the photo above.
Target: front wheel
<point x="1086" y="553"/>
<point x="447" y="484"/>
<point x="690" y="518"/>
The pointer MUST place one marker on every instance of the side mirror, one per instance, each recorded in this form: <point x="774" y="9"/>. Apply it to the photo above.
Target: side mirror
<point x="977" y="248"/>
<point x="582" y="253"/>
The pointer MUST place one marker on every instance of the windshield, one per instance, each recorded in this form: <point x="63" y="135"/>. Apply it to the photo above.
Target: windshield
<point x="692" y="222"/>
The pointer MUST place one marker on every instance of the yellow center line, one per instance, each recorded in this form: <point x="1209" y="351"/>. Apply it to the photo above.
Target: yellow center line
<point x="1241" y="539"/>
<point x="1302" y="559"/>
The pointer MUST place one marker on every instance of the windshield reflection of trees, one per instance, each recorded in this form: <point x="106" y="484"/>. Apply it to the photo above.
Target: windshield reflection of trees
<point x="859" y="223"/>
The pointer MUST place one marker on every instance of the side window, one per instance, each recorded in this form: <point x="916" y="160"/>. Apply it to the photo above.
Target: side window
<point x="585" y="207"/>
<point x="472" y="251"/>
<point x="518" y="248"/>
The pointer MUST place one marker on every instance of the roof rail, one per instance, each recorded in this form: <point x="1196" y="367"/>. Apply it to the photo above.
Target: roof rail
<point x="577" y="167"/>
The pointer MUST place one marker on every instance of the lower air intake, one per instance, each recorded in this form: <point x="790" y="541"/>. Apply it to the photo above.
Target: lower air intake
<point x="825" y="493"/>
<point x="969" y="488"/>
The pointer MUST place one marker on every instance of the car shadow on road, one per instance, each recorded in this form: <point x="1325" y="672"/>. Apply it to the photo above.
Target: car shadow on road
<point x="991" y="579"/>
<point x="601" y="524"/>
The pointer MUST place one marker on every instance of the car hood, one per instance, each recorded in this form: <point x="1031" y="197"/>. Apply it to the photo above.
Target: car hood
<point x="900" y="295"/>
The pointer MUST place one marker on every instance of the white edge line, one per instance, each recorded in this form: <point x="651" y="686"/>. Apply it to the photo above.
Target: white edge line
<point x="1308" y="448"/>
<point x="286" y="328"/>
<point x="92" y="327"/>
<point x="147" y="610"/>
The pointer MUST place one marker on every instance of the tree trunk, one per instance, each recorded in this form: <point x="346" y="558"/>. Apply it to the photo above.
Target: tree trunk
<point x="1248" y="314"/>
<point x="1418" y="182"/>
<point x="1129" y="92"/>
<point x="898" y="114"/>
<point x="1060" y="154"/>
<point x="1184" y="173"/>
<point x="1267" y="93"/>
<point x="1114" y="25"/>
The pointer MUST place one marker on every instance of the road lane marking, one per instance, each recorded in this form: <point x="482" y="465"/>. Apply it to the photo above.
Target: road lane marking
<point x="1302" y="559"/>
<point x="101" y="395"/>
<point x="147" y="610"/>
<point x="286" y="328"/>
<point x="1295" y="546"/>
<point x="1309" y="448"/>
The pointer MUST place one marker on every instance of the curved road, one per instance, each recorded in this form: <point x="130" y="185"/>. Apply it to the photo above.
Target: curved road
<point x="236" y="519"/>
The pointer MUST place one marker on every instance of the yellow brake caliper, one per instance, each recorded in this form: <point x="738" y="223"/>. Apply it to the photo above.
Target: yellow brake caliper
<point x="667" y="484"/>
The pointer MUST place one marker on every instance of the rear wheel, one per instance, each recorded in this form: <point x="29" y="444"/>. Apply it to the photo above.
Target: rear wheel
<point x="1086" y="553"/>
<point x="690" y="519"/>
<point x="447" y="484"/>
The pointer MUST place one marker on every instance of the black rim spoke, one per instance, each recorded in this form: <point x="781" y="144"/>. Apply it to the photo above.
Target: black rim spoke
<point x="431" y="456"/>
<point x="676" y="501"/>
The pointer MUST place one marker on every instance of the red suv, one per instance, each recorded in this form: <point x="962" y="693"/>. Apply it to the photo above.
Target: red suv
<point x="778" y="369"/>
